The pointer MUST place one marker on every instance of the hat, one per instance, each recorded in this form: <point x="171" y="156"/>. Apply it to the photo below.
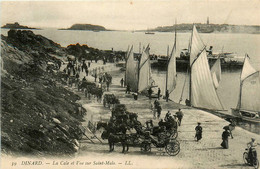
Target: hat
<point x="199" y="123"/>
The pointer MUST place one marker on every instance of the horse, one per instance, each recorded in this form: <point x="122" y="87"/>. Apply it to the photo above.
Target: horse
<point x="114" y="138"/>
<point x="114" y="134"/>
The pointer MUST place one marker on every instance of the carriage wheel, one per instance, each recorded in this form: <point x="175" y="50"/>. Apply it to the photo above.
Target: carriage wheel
<point x="173" y="148"/>
<point x="146" y="147"/>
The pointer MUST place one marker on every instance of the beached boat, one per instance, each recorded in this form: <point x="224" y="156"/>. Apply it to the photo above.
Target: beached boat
<point x="131" y="73"/>
<point x="138" y="73"/>
<point x="202" y="91"/>
<point x="171" y="75"/>
<point x="248" y="107"/>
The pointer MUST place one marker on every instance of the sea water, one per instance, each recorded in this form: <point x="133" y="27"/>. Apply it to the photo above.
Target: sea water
<point x="228" y="90"/>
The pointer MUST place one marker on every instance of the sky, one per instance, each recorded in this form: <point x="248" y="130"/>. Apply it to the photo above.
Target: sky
<point x="129" y="14"/>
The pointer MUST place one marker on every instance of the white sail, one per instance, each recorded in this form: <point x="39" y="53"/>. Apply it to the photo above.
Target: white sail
<point x="171" y="70"/>
<point x="196" y="46"/>
<point x="216" y="73"/>
<point x="250" y="88"/>
<point x="203" y="93"/>
<point x="247" y="69"/>
<point x="250" y="93"/>
<point x="144" y="71"/>
<point x="131" y="78"/>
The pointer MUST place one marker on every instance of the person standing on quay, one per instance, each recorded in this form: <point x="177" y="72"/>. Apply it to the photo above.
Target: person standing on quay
<point x="122" y="82"/>
<point x="150" y="93"/>
<point x="159" y="93"/>
<point x="198" y="130"/>
<point x="159" y="110"/>
<point x="95" y="76"/>
<point x="167" y="95"/>
<point x="179" y="115"/>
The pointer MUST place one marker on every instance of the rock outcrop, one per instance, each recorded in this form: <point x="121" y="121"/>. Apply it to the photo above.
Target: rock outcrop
<point x="39" y="116"/>
<point x="86" y="27"/>
<point x="16" y="25"/>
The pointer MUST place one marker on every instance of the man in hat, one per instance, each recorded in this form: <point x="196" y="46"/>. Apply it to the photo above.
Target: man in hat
<point x="198" y="130"/>
<point x="252" y="149"/>
<point x="179" y="115"/>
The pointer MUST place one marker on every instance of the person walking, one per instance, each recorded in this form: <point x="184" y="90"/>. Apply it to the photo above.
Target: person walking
<point x="95" y="77"/>
<point x="198" y="130"/>
<point x="159" y="93"/>
<point x="122" y="82"/>
<point x="225" y="136"/>
<point x="159" y="110"/>
<point x="167" y="95"/>
<point x="153" y="110"/>
<point x="127" y="89"/>
<point x="107" y="82"/>
<point x="179" y="115"/>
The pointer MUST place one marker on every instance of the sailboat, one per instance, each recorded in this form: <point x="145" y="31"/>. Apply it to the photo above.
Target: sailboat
<point x="138" y="73"/>
<point x="248" y="107"/>
<point x="145" y="79"/>
<point x="202" y="92"/>
<point x="131" y="74"/>
<point x="216" y="73"/>
<point x="171" y="75"/>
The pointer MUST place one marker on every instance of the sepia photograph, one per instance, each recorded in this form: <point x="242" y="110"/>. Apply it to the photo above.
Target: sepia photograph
<point x="130" y="84"/>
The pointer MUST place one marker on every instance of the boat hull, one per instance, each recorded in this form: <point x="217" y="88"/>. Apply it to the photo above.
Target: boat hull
<point x="246" y="115"/>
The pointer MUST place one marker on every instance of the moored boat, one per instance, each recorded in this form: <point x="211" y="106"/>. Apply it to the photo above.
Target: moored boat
<point x="248" y="107"/>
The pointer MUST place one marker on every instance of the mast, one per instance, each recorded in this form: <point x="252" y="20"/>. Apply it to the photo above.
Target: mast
<point x="167" y="51"/>
<point x="240" y="89"/>
<point x="126" y="58"/>
<point x="189" y="67"/>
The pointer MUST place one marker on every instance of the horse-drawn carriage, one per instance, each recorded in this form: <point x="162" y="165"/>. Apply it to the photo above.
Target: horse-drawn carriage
<point x="110" y="99"/>
<point x="144" y="137"/>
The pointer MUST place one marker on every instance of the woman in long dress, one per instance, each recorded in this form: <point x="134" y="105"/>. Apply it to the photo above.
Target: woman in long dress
<point x="225" y="136"/>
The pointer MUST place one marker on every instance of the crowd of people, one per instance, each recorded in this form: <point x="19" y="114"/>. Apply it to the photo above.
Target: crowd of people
<point x="74" y="68"/>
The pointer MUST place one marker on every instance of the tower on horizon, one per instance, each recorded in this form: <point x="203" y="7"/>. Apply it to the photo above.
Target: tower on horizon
<point x="207" y="20"/>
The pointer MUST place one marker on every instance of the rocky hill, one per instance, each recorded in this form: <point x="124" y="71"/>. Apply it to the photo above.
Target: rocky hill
<point x="16" y="25"/>
<point x="86" y="27"/>
<point x="39" y="116"/>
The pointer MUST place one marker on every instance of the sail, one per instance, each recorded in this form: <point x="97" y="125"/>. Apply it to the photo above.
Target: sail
<point x="250" y="93"/>
<point x="216" y="73"/>
<point x="131" y="78"/>
<point x="250" y="87"/>
<point x="127" y="53"/>
<point x="196" y="46"/>
<point x="171" y="71"/>
<point x="203" y="93"/>
<point x="247" y="69"/>
<point x="144" y="70"/>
